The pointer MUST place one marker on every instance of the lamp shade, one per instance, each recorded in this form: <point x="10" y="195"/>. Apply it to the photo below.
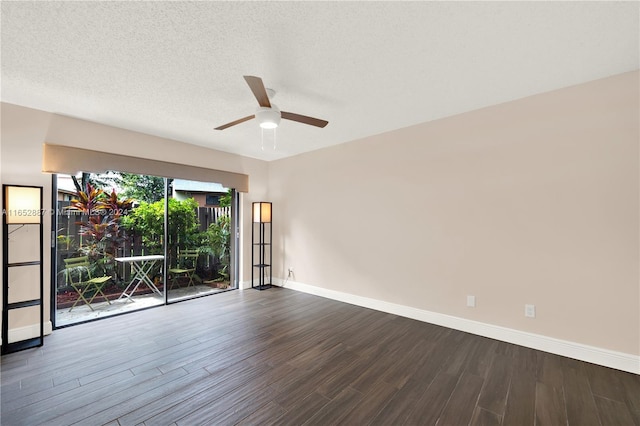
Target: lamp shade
<point x="268" y="118"/>
<point x="262" y="212"/>
<point x="22" y="204"/>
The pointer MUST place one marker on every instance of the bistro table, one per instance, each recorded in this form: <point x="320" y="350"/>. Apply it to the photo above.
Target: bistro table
<point x="141" y="266"/>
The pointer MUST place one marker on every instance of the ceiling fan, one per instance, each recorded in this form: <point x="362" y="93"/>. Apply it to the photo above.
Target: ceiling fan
<point x="267" y="114"/>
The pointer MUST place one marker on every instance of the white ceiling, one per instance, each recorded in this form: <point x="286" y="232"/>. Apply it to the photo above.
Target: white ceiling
<point x="175" y="69"/>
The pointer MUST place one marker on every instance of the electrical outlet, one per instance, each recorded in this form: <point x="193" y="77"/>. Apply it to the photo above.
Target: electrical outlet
<point x="530" y="311"/>
<point x="290" y="271"/>
<point x="471" y="301"/>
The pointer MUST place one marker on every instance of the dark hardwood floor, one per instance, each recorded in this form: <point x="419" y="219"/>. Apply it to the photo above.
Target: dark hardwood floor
<point x="288" y="358"/>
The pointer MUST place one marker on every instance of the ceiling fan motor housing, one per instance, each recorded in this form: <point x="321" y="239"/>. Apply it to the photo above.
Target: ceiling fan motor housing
<point x="269" y="118"/>
<point x="268" y="115"/>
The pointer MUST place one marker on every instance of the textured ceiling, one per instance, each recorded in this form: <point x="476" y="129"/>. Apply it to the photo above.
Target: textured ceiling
<point x="174" y="69"/>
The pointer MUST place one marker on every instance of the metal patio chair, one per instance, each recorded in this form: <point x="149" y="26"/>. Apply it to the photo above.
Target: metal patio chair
<point x="77" y="272"/>
<point x="186" y="267"/>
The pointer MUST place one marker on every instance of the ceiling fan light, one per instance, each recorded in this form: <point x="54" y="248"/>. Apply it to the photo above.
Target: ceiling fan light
<point x="268" y="125"/>
<point x="268" y="118"/>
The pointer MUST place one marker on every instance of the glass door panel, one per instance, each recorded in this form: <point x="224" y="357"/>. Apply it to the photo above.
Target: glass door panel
<point x="199" y="239"/>
<point x="109" y="245"/>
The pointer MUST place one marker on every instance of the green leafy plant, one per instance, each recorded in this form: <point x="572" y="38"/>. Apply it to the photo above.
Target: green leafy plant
<point x="225" y="200"/>
<point x="147" y="221"/>
<point x="139" y="187"/>
<point x="66" y="241"/>
<point x="218" y="238"/>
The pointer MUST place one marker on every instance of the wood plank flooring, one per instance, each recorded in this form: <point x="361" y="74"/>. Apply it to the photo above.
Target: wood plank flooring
<point x="279" y="357"/>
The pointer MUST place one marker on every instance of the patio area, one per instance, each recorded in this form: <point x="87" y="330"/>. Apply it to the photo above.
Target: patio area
<point x="136" y="249"/>
<point x="102" y="309"/>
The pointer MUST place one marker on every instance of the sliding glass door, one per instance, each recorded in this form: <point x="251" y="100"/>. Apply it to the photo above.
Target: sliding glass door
<point x="199" y="240"/>
<point x="126" y="242"/>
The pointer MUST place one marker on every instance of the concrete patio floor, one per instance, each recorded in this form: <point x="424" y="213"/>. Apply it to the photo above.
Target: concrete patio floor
<point x="102" y="309"/>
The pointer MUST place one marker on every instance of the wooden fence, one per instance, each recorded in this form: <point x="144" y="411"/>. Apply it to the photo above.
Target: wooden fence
<point x="209" y="215"/>
<point x="69" y="239"/>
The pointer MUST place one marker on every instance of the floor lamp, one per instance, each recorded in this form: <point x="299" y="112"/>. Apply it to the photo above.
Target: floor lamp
<point x="261" y="243"/>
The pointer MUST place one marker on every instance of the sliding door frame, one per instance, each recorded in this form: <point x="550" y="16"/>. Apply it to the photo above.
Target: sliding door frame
<point x="53" y="287"/>
<point x="235" y="240"/>
<point x="234" y="251"/>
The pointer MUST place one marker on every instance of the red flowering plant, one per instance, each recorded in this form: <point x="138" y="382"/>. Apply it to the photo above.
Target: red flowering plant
<point x="100" y="230"/>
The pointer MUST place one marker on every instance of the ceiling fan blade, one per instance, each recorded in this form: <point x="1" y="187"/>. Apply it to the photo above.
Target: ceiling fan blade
<point x="304" y="119"/>
<point x="257" y="87"/>
<point x="233" y="123"/>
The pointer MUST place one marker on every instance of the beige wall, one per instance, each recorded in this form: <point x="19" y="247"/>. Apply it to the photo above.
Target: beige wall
<point x="533" y="201"/>
<point x="21" y="138"/>
<point x="24" y="131"/>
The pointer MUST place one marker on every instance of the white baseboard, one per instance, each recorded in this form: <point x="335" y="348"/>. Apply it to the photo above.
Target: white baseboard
<point x="28" y="332"/>
<point x="608" y="358"/>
